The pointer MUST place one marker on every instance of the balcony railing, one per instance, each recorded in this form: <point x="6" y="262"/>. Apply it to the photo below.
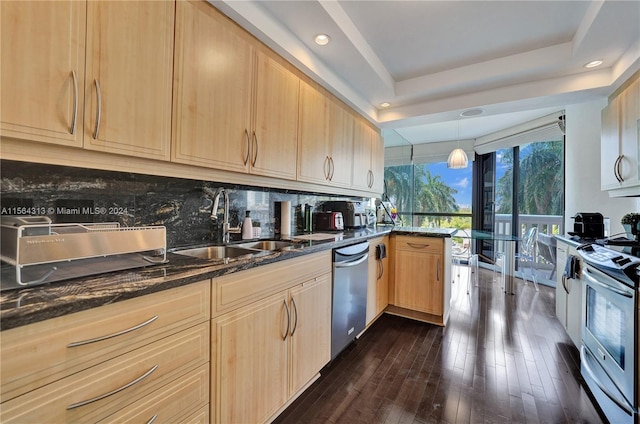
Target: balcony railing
<point x="545" y="251"/>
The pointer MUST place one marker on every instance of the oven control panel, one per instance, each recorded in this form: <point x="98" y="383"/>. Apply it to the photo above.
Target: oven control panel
<point x="610" y="261"/>
<point x="601" y="255"/>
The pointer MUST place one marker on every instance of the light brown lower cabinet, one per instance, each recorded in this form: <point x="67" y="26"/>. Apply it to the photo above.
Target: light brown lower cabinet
<point x="95" y="393"/>
<point x="266" y="352"/>
<point x="141" y="358"/>
<point x="378" y="280"/>
<point x="422" y="278"/>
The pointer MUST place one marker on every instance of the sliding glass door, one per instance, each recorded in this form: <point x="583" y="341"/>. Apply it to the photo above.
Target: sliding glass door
<point x="529" y="199"/>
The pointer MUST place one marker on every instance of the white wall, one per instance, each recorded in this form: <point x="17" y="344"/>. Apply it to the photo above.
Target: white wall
<point x="583" y="192"/>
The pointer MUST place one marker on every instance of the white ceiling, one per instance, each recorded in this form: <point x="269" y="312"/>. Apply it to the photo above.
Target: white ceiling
<point x="517" y="60"/>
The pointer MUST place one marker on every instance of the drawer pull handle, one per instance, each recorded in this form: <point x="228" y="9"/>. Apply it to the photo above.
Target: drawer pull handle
<point x="110" y="336"/>
<point x="113" y="392"/>
<point x="152" y="419"/>
<point x="418" y="246"/>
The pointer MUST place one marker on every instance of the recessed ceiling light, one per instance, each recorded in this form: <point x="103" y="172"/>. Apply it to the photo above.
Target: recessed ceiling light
<point x="593" y="64"/>
<point x="472" y="112"/>
<point x="322" y="39"/>
<point x="385" y="104"/>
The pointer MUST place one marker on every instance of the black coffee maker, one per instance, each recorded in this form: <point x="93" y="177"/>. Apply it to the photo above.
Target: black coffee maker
<point x="588" y="225"/>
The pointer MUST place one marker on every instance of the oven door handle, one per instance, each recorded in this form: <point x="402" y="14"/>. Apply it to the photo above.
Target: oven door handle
<point x="622" y="403"/>
<point x="592" y="280"/>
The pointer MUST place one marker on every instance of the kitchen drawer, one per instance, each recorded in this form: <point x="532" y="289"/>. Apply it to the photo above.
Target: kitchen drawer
<point x="173" y="403"/>
<point x="112" y="385"/>
<point x="201" y="416"/>
<point x="420" y="244"/>
<point x="238" y="289"/>
<point x="40" y="353"/>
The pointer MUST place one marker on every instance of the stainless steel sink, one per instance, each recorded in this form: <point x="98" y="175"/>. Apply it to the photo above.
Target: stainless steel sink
<point x="270" y="245"/>
<point x="220" y="252"/>
<point x="239" y="250"/>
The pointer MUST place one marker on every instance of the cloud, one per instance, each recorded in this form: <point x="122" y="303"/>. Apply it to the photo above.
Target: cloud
<point x="462" y="183"/>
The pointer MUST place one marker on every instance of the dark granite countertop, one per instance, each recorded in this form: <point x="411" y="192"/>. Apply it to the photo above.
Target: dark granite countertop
<point x="29" y="305"/>
<point x="424" y="232"/>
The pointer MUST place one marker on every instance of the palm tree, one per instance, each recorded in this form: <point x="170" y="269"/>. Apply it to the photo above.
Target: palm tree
<point x="432" y="194"/>
<point x="407" y="185"/>
<point x="540" y="191"/>
<point x="399" y="183"/>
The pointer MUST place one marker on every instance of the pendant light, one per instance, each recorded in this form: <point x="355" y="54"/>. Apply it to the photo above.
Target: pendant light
<point x="457" y="158"/>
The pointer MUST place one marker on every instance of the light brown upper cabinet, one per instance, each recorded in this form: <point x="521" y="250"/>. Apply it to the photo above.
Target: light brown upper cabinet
<point x="235" y="105"/>
<point x="274" y="138"/>
<point x="129" y="75"/>
<point x="124" y="99"/>
<point x="325" y="147"/>
<point x="368" y="154"/>
<point x="42" y="70"/>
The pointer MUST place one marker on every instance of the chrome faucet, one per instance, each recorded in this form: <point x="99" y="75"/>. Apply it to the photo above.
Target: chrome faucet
<point x="226" y="229"/>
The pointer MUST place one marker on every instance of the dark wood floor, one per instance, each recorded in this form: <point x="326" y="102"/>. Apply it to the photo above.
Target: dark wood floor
<point x="501" y="359"/>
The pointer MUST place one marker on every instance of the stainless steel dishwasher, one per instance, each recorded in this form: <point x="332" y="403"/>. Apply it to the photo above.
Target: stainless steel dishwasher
<point x="350" y="269"/>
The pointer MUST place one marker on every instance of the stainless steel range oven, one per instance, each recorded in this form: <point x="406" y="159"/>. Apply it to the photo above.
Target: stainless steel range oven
<point x="608" y="352"/>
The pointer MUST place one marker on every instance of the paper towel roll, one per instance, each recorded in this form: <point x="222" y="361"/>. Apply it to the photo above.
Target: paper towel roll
<point x="285" y="219"/>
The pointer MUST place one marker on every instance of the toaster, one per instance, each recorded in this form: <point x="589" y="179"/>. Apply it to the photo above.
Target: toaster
<point x="329" y="221"/>
<point x="353" y="212"/>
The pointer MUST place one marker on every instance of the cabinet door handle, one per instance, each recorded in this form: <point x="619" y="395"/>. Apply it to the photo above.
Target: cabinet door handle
<point x="618" y="170"/>
<point x="615" y="168"/>
<point x="326" y="168"/>
<point x="113" y="392"/>
<point x="286" y="333"/>
<point x="99" y="109"/>
<point x="371" y="178"/>
<point x="417" y="246"/>
<point x="72" y="130"/>
<point x="110" y="336"/>
<point x="332" y="168"/>
<point x="246" y="158"/>
<point x="255" y="151"/>
<point x="295" y="309"/>
<point x="564" y="284"/>
<point x="438" y="270"/>
<point x="152" y="419"/>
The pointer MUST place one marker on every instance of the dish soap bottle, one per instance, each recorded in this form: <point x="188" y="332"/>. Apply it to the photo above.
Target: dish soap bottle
<point x="247" y="227"/>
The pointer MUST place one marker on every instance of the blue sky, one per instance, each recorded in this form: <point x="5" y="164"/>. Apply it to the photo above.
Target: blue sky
<point x="460" y="179"/>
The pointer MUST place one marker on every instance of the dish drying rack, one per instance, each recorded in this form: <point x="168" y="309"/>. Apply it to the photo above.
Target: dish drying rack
<point x="38" y="252"/>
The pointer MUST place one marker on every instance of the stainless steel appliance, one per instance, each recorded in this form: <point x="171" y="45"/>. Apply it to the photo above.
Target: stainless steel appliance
<point x="353" y="212"/>
<point x="35" y="251"/>
<point x="350" y="270"/>
<point x="608" y="353"/>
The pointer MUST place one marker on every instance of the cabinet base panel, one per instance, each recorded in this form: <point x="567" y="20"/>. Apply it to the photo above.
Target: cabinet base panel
<point x="293" y="399"/>
<point x="416" y="315"/>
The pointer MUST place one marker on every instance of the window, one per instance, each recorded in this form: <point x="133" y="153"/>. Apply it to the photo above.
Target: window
<point x="431" y="195"/>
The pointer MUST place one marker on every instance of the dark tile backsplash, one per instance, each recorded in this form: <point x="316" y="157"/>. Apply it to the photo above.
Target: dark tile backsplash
<point x="67" y="194"/>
